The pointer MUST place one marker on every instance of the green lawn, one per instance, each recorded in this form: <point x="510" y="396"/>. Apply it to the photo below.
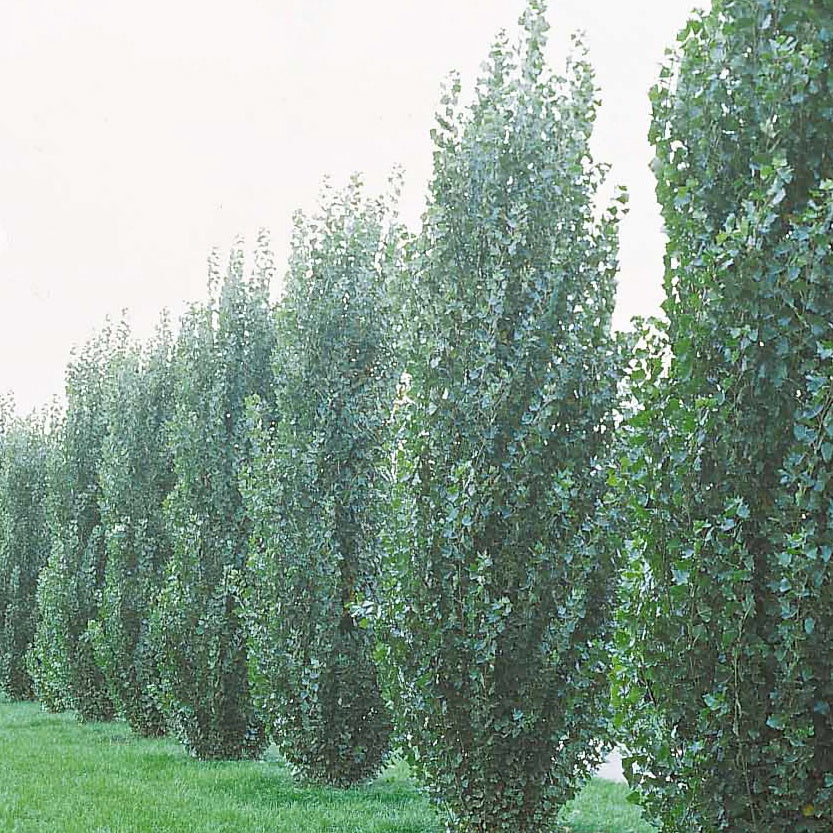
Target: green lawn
<point x="57" y="776"/>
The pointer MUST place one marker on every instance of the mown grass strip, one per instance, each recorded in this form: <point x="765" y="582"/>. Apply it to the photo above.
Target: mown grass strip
<point x="57" y="776"/>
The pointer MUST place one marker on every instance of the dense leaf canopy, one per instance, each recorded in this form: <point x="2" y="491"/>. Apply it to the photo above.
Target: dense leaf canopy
<point x="316" y="493"/>
<point x="63" y="661"/>
<point x="498" y="580"/>
<point x="727" y="677"/>
<point x="222" y="356"/>
<point x="25" y="447"/>
<point x="136" y="477"/>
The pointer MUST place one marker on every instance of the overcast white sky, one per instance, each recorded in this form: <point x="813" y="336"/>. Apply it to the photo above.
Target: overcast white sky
<point x="135" y="136"/>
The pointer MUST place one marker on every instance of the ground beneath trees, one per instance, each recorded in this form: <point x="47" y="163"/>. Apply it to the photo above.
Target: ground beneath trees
<point x="57" y="776"/>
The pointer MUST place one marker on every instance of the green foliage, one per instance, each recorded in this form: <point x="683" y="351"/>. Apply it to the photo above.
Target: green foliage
<point x="136" y="476"/>
<point x="726" y="681"/>
<point x="24" y="544"/>
<point x="222" y="356"/>
<point x="315" y="493"/>
<point x="499" y="582"/>
<point x="63" y="663"/>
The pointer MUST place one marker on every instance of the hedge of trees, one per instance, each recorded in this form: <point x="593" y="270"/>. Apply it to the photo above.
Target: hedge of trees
<point x="428" y="501"/>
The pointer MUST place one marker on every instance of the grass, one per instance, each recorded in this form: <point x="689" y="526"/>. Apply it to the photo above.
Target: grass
<point x="602" y="807"/>
<point x="57" y="776"/>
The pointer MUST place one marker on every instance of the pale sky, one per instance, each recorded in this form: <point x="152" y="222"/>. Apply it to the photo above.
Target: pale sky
<point x="136" y="136"/>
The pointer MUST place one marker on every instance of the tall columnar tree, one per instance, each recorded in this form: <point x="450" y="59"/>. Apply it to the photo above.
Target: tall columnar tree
<point x="24" y="544"/>
<point x="315" y="493"/>
<point x="222" y="356"/>
<point x="136" y="476"/>
<point x="726" y="688"/>
<point x="63" y="662"/>
<point x="499" y="582"/>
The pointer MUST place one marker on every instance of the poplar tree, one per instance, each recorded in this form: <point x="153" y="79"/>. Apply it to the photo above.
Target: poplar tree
<point x="726" y="683"/>
<point x="222" y="356"/>
<point x="499" y="581"/>
<point x="25" y="447"/>
<point x="316" y="494"/>
<point x="62" y="663"/>
<point x="136" y="477"/>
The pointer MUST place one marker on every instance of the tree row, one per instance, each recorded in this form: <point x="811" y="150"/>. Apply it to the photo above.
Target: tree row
<point x="429" y="501"/>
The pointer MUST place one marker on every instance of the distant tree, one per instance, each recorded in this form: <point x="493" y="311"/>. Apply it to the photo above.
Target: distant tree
<point x="499" y="582"/>
<point x="222" y="356"/>
<point x="136" y="477"/>
<point x="24" y="543"/>
<point x="62" y="663"/>
<point x="726" y="683"/>
<point x="315" y="494"/>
